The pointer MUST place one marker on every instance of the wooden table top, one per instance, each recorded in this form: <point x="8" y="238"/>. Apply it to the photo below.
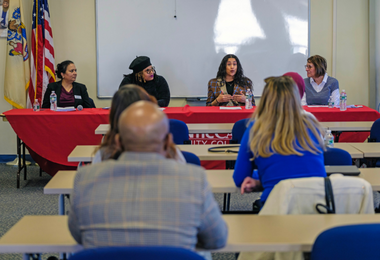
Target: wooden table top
<point x="356" y="126"/>
<point x="227" y="127"/>
<point x="36" y="234"/>
<point x="220" y="181"/>
<point x="369" y="150"/>
<point x="48" y="234"/>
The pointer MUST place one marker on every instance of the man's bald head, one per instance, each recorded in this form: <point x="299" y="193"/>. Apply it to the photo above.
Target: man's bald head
<point x="143" y="127"/>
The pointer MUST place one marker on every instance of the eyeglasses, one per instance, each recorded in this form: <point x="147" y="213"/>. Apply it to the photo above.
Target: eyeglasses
<point x="149" y="71"/>
<point x="308" y="67"/>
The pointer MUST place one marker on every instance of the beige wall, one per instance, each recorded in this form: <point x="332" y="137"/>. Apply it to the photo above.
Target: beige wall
<point x="73" y="25"/>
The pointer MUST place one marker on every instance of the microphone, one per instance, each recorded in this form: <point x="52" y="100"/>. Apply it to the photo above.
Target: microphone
<point x="79" y="107"/>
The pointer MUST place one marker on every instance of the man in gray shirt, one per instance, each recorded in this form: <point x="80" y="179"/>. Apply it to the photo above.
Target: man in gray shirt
<point x="144" y="198"/>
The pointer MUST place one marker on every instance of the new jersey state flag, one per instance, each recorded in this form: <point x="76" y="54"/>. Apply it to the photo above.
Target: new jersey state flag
<point x="17" y="70"/>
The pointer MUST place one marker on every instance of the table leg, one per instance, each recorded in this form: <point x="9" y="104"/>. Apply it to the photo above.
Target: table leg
<point x="61" y="204"/>
<point x="357" y="163"/>
<point x="21" y="156"/>
<point x="337" y="135"/>
<point x="226" y="201"/>
<point x="24" y="160"/>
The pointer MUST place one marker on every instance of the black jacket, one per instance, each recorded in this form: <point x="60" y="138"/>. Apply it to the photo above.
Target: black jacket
<point x="158" y="87"/>
<point x="78" y="89"/>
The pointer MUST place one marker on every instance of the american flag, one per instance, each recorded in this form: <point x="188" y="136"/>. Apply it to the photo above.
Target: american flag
<point x="42" y="52"/>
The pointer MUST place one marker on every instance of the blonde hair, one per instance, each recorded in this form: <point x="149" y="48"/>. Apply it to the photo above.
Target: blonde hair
<point x="280" y="122"/>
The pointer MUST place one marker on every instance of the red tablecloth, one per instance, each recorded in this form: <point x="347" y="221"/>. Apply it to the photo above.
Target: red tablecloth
<point x="325" y="114"/>
<point x="53" y="135"/>
<point x="204" y="115"/>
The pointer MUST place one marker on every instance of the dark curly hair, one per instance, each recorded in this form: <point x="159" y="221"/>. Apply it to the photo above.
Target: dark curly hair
<point x="239" y="77"/>
<point x="62" y="67"/>
<point x="123" y="98"/>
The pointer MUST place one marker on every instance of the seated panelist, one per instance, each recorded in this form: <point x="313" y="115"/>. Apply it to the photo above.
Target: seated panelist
<point x="319" y="87"/>
<point x="230" y="85"/>
<point x="282" y="140"/>
<point x="69" y="93"/>
<point x="144" y="75"/>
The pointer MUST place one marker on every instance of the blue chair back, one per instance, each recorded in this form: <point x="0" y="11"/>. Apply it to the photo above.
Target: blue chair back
<point x="336" y="156"/>
<point x="179" y="131"/>
<point x="348" y="242"/>
<point x="138" y="253"/>
<point x="375" y="132"/>
<point x="191" y="158"/>
<point x="238" y="131"/>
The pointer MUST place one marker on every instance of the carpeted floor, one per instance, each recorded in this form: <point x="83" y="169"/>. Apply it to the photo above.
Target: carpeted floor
<point x="30" y="200"/>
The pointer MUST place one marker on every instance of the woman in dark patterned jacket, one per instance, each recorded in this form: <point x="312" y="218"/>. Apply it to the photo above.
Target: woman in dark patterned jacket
<point x="230" y="84"/>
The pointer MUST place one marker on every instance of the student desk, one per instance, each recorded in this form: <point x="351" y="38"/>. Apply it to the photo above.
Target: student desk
<point x="220" y="181"/>
<point x="212" y="128"/>
<point x="246" y="233"/>
<point x="202" y="151"/>
<point x="369" y="150"/>
<point x="39" y="234"/>
<point x="360" y="126"/>
<point x="85" y="153"/>
<point x="63" y="183"/>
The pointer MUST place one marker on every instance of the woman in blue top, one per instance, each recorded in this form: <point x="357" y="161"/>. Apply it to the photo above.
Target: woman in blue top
<point x="282" y="140"/>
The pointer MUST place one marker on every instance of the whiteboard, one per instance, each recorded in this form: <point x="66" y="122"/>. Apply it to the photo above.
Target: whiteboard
<point x="187" y="39"/>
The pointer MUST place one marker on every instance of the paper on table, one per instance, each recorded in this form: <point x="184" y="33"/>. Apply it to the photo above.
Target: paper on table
<point x="229" y="108"/>
<point x="65" y="109"/>
<point x="317" y="106"/>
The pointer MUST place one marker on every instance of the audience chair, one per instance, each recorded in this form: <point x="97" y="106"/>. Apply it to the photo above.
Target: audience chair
<point x="238" y="131"/>
<point x="180" y="131"/>
<point x="375" y="132"/>
<point x="336" y="156"/>
<point x="191" y="158"/>
<point x="352" y="195"/>
<point x="374" y="137"/>
<point x="138" y="253"/>
<point x="348" y="243"/>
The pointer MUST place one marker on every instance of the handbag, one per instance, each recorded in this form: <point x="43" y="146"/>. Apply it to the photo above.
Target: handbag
<point x="329" y="196"/>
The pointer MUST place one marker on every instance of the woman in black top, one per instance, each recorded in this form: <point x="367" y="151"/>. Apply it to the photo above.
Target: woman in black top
<point x="69" y="93"/>
<point x="144" y="75"/>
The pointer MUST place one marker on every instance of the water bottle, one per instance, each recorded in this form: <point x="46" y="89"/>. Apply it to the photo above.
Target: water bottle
<point x="36" y="105"/>
<point x="329" y="139"/>
<point x="53" y="101"/>
<point x="248" y="99"/>
<point x="343" y="100"/>
<point x="331" y="102"/>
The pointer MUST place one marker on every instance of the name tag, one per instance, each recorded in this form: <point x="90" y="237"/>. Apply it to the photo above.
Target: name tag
<point x="77" y="97"/>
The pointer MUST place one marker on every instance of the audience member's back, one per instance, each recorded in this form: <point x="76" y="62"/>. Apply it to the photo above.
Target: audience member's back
<point x="156" y="202"/>
<point x="143" y="198"/>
